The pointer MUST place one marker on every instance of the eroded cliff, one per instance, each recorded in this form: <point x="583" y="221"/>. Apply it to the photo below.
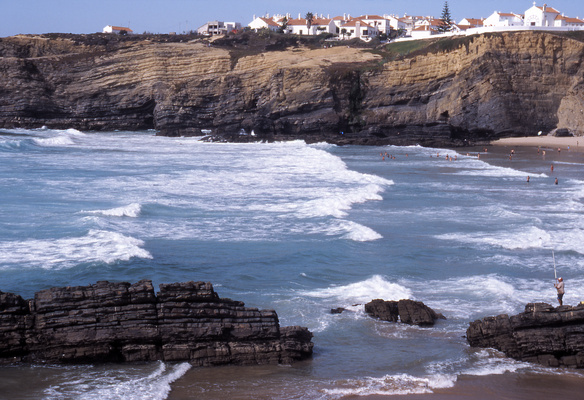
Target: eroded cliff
<point x="472" y="89"/>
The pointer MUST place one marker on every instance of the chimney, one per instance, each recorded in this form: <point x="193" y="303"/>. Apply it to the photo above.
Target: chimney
<point x="544" y="7"/>
<point x="254" y="18"/>
<point x="344" y="16"/>
<point x="298" y="15"/>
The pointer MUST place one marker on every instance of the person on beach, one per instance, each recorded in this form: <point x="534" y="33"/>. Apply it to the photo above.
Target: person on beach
<point x="560" y="288"/>
<point x="527" y="178"/>
<point x="556" y="182"/>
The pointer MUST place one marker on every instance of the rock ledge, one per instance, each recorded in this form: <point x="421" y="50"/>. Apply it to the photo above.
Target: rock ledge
<point x="115" y="322"/>
<point x="541" y="334"/>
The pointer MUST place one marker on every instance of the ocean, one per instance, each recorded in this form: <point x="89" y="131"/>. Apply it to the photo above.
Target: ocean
<point x="300" y="229"/>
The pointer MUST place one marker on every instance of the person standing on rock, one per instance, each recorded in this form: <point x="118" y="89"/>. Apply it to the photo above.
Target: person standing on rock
<point x="560" y="288"/>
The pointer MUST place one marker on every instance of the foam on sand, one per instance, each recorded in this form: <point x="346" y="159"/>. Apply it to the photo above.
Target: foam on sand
<point x="400" y="384"/>
<point x="120" y="385"/>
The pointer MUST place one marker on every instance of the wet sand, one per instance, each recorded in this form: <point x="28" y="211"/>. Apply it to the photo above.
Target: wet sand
<point x="565" y="385"/>
<point x="572" y="143"/>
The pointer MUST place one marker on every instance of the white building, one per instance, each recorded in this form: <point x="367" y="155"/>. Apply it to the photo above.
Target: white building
<point x="116" y="29"/>
<point x="472" y="22"/>
<point x="218" y="28"/>
<point x="264" y="23"/>
<point x="541" y="16"/>
<point x="569" y="22"/>
<point x="300" y="26"/>
<point x="423" y="31"/>
<point x="382" y="24"/>
<point x="357" y="28"/>
<point x="503" y="19"/>
<point x="396" y="23"/>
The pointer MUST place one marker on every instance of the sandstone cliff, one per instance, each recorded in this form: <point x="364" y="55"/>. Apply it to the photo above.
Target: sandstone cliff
<point x="542" y="334"/>
<point x="121" y="322"/>
<point x="473" y="88"/>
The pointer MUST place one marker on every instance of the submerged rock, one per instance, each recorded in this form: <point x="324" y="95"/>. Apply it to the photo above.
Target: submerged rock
<point x="541" y="334"/>
<point x="407" y="311"/>
<point x="115" y="322"/>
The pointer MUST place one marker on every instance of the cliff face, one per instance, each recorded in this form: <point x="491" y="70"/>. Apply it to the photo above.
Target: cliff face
<point x="542" y="334"/>
<point x="482" y="87"/>
<point x="123" y="322"/>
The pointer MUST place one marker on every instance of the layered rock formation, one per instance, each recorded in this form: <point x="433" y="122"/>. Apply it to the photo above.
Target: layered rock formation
<point x="407" y="311"/>
<point x="122" y="322"/>
<point x="542" y="334"/>
<point x="475" y="88"/>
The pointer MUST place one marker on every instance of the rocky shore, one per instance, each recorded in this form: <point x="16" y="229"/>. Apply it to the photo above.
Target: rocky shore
<point x="541" y="334"/>
<point x="443" y="92"/>
<point x="117" y="322"/>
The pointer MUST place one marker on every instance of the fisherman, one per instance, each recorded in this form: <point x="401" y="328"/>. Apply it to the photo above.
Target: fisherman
<point x="560" y="287"/>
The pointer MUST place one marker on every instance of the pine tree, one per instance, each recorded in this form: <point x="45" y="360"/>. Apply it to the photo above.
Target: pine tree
<point x="446" y="19"/>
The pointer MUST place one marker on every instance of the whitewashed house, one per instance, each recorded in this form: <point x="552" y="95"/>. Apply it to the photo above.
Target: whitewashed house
<point x="300" y="26"/>
<point x="218" y="28"/>
<point x="117" y="29"/>
<point x="423" y="31"/>
<point x="568" y="22"/>
<point x="503" y="19"/>
<point x="260" y="23"/>
<point x="472" y="22"/>
<point x="541" y="16"/>
<point x="357" y="28"/>
<point x="382" y="24"/>
<point x="396" y="23"/>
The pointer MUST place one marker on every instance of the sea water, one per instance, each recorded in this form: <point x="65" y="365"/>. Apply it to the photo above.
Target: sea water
<point x="300" y="229"/>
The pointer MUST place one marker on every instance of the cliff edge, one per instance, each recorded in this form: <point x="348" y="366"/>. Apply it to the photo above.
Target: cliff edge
<point x="115" y="322"/>
<point x="452" y="91"/>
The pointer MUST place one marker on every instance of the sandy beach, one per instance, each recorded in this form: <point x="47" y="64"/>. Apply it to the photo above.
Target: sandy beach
<point x="574" y="143"/>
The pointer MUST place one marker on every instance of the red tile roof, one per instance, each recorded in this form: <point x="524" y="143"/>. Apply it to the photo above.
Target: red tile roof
<point x="550" y="10"/>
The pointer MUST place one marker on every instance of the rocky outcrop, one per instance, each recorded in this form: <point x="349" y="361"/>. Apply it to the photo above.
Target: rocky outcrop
<point x="471" y="89"/>
<point x="115" y="322"/>
<point x="407" y="311"/>
<point x="542" y="334"/>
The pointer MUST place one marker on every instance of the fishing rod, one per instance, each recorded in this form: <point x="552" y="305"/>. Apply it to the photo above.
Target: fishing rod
<point x="555" y="273"/>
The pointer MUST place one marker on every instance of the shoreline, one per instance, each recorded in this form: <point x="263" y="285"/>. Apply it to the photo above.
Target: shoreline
<point x="573" y="143"/>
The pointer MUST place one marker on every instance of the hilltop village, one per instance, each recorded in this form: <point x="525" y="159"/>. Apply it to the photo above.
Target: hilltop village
<point x="367" y="27"/>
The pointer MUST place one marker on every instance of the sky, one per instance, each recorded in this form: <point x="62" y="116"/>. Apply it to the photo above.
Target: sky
<point x="164" y="16"/>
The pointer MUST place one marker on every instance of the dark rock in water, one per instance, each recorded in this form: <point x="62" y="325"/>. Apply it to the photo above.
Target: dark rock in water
<point x="123" y="322"/>
<point x="541" y="334"/>
<point x="407" y="311"/>
<point x="384" y="310"/>
<point x="338" y="310"/>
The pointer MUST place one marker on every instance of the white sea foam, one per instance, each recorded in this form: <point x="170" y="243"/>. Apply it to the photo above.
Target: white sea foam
<point x="400" y="384"/>
<point x="55" y="141"/>
<point x="74" y="132"/>
<point x="118" y="385"/>
<point x="375" y="287"/>
<point x="512" y="239"/>
<point x="530" y="238"/>
<point x="467" y="297"/>
<point x="131" y="210"/>
<point x="358" y="232"/>
<point x="96" y="246"/>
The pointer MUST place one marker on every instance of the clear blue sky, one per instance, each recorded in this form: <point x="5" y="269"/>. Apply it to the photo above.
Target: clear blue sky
<point x="163" y="16"/>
